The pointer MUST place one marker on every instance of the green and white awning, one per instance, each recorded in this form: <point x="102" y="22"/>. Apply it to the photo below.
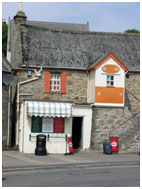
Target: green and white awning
<point x="49" y="109"/>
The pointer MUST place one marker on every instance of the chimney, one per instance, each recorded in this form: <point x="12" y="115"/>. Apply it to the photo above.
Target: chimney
<point x="16" y="39"/>
<point x="20" y="17"/>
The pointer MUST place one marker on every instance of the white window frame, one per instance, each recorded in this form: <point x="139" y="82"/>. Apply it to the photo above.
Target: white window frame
<point x="55" y="82"/>
<point x="110" y="80"/>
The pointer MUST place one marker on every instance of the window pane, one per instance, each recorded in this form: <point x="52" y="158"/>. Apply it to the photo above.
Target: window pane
<point x="36" y="124"/>
<point x="59" y="125"/>
<point x="111" y="83"/>
<point x="112" y="77"/>
<point x="55" y="82"/>
<point x="108" y="77"/>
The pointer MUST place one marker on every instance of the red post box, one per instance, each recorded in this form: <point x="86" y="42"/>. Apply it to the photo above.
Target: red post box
<point x="114" y="144"/>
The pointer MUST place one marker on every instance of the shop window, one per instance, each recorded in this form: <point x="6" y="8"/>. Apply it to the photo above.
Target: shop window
<point x="36" y="125"/>
<point x="110" y="80"/>
<point x="47" y="125"/>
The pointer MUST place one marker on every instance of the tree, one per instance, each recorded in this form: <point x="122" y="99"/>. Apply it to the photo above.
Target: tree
<point x="4" y="38"/>
<point x="132" y="31"/>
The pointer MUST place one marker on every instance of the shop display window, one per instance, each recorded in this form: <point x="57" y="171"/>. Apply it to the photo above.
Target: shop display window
<point x="47" y="125"/>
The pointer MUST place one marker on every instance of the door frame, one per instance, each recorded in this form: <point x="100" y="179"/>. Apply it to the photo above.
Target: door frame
<point x="84" y="111"/>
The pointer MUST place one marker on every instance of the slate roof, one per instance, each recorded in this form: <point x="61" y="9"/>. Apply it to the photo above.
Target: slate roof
<point x="60" y="26"/>
<point x="49" y="25"/>
<point x="71" y="49"/>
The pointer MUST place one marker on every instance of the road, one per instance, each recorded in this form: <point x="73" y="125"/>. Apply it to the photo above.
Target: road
<point x="75" y="176"/>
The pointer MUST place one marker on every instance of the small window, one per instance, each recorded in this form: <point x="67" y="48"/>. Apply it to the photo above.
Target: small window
<point x="55" y="82"/>
<point x="110" y="80"/>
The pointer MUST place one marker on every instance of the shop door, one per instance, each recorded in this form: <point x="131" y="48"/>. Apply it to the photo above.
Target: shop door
<point x="76" y="132"/>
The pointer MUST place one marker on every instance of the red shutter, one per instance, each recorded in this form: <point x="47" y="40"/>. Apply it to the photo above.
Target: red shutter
<point x="63" y="83"/>
<point x="47" y="82"/>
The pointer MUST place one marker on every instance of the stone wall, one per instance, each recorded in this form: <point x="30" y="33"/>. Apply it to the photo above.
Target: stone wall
<point x="76" y="87"/>
<point x="5" y="96"/>
<point x="4" y="114"/>
<point x="109" y="122"/>
<point x="119" y="122"/>
<point x="133" y="91"/>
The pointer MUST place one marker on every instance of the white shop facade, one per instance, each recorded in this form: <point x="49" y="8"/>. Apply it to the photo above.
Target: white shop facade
<point x="57" y="121"/>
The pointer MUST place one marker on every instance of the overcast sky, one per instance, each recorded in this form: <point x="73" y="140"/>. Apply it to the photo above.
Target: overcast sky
<point x="107" y="17"/>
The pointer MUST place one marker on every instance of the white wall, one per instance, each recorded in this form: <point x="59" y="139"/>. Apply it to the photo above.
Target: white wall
<point x="91" y="90"/>
<point x="100" y="76"/>
<point x="27" y="142"/>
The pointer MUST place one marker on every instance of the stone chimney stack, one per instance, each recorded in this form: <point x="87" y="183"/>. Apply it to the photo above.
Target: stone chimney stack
<point x="20" y="17"/>
<point x="19" y="28"/>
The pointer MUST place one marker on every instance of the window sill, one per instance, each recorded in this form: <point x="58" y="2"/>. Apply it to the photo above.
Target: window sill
<point x="110" y="86"/>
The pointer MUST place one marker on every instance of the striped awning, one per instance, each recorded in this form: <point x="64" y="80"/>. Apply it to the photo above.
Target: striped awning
<point x="49" y="109"/>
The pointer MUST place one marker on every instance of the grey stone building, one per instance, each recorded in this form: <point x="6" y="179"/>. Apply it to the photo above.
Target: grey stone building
<point x="52" y="64"/>
<point x="7" y="129"/>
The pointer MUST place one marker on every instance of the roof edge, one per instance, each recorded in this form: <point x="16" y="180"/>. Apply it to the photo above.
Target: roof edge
<point x="110" y="55"/>
<point x="82" y="32"/>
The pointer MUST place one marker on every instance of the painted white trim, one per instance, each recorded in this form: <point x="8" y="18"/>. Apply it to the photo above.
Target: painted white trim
<point x="86" y="113"/>
<point x="108" y="104"/>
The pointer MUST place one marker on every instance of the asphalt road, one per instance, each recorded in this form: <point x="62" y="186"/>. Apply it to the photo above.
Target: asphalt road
<point x="83" y="176"/>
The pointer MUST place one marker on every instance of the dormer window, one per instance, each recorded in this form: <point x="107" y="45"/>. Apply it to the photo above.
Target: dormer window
<point x="110" y="80"/>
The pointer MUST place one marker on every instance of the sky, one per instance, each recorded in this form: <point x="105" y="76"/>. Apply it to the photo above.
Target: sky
<point x="102" y="16"/>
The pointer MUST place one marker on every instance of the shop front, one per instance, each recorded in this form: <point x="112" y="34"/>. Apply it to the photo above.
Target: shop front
<point x="55" y="121"/>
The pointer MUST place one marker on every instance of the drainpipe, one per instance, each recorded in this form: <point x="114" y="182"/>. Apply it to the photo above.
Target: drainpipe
<point x="9" y="96"/>
<point x="38" y="74"/>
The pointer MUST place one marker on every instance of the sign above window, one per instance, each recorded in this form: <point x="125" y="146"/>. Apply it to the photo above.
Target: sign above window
<point x="110" y="69"/>
<point x="47" y="125"/>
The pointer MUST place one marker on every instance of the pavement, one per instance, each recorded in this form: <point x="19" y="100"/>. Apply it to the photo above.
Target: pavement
<point x="17" y="161"/>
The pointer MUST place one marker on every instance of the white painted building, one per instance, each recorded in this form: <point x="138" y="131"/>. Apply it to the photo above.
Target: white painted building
<point x="55" y="141"/>
<point x="107" y="82"/>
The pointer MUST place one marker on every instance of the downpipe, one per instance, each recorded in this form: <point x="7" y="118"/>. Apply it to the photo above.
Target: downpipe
<point x="38" y="75"/>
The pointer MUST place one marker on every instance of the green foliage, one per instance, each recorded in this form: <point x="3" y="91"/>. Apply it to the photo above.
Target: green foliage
<point x="132" y="31"/>
<point x="4" y="38"/>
